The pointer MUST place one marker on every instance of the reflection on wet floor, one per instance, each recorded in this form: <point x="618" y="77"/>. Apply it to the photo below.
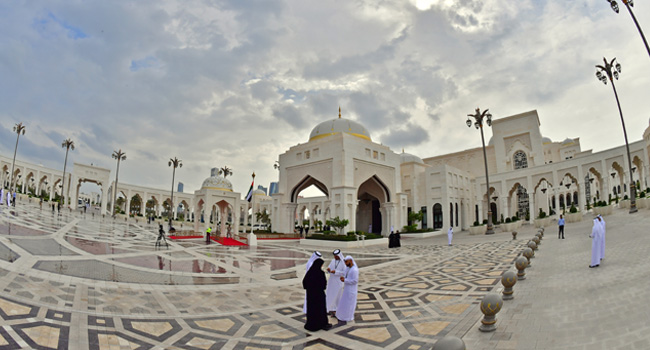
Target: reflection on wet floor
<point x="15" y="230"/>
<point x="47" y="247"/>
<point x="102" y="271"/>
<point x="95" y="247"/>
<point x="7" y="254"/>
<point x="164" y="264"/>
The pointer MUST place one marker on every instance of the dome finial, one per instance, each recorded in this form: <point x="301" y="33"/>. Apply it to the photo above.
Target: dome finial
<point x="402" y="149"/>
<point x="339" y="112"/>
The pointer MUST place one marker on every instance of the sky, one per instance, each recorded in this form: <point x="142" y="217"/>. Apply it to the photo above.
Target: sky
<point x="237" y="82"/>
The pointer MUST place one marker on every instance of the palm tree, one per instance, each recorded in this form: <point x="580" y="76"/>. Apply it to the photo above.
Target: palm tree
<point x="225" y="171"/>
<point x="176" y="163"/>
<point x="18" y="128"/>
<point x="68" y="145"/>
<point x="119" y="155"/>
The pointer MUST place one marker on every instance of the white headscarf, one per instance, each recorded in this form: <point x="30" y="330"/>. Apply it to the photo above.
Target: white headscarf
<point x="351" y="258"/>
<point x="451" y="230"/>
<point x="314" y="256"/>
<point x="339" y="254"/>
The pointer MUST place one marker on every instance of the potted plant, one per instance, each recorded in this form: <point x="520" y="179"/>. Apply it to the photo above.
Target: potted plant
<point x="542" y="220"/>
<point x="574" y="214"/>
<point x="478" y="229"/>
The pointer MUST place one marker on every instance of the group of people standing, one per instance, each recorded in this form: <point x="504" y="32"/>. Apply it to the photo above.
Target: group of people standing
<point x="336" y="296"/>
<point x="11" y="198"/>
<point x="394" y="239"/>
<point x="597" y="241"/>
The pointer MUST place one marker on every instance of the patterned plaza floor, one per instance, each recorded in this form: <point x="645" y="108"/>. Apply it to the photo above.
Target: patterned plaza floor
<point x="80" y="281"/>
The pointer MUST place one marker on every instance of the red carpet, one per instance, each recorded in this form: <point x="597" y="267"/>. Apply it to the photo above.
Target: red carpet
<point x="228" y="241"/>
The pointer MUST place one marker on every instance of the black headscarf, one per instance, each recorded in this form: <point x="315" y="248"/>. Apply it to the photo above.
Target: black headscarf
<point x="315" y="277"/>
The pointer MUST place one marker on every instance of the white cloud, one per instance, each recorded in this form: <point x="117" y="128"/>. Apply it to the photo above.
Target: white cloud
<point x="238" y="82"/>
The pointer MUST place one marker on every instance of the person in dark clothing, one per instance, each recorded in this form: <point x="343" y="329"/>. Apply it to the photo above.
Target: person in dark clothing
<point x="398" y="239"/>
<point x="315" y="283"/>
<point x="391" y="240"/>
<point x="301" y="231"/>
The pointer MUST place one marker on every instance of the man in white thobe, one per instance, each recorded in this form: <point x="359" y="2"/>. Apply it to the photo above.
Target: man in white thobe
<point x="8" y="198"/>
<point x="450" y="234"/>
<point x="602" y="238"/>
<point x="315" y="255"/>
<point x="596" y="234"/>
<point x="2" y="192"/>
<point x="336" y="269"/>
<point x="348" y="303"/>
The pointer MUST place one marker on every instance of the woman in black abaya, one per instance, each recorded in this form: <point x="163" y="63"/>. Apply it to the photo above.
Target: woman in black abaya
<point x="315" y="284"/>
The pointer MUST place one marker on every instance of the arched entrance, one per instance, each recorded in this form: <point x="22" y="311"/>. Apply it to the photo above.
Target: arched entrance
<point x="437" y="216"/>
<point x="372" y="195"/>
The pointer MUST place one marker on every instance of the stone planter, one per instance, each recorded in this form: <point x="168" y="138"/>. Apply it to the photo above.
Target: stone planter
<point x="606" y="210"/>
<point x="477" y="230"/>
<point x="542" y="222"/>
<point x="574" y="217"/>
<point x="643" y="203"/>
<point x="511" y="226"/>
<point x="624" y="204"/>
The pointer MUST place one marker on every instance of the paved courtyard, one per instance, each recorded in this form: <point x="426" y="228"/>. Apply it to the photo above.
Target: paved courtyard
<point x="82" y="282"/>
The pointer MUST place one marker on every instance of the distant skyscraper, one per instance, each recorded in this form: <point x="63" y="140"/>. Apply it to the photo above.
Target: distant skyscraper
<point x="180" y="187"/>
<point x="274" y="188"/>
<point x="260" y="187"/>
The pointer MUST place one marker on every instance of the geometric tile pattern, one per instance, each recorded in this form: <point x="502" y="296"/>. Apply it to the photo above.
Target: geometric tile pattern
<point x="72" y="280"/>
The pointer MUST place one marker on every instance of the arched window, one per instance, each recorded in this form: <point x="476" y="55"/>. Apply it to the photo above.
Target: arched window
<point x="451" y="214"/>
<point x="456" y="214"/>
<point x="520" y="160"/>
<point x="575" y="198"/>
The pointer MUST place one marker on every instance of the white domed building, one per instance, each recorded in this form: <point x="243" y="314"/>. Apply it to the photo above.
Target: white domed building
<point x="360" y="179"/>
<point x="217" y="200"/>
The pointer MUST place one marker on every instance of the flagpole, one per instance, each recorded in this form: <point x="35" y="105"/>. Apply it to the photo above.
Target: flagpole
<point x="252" y="240"/>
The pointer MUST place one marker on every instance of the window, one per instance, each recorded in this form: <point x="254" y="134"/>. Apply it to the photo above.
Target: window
<point x="298" y="156"/>
<point x="316" y="152"/>
<point x="383" y="156"/>
<point x="368" y="152"/>
<point x="307" y="154"/>
<point x="375" y="154"/>
<point x="521" y="161"/>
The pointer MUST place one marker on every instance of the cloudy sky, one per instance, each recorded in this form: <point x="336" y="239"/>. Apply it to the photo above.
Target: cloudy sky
<point x="237" y="82"/>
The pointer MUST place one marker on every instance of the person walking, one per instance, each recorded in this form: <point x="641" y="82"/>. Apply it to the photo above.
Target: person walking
<point x="450" y="235"/>
<point x="560" y="224"/>
<point x="207" y="235"/>
<point x="596" y="237"/>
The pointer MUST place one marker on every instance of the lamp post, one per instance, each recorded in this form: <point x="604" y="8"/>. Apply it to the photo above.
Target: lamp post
<point x="629" y="4"/>
<point x="68" y="145"/>
<point x="176" y="163"/>
<point x="478" y="123"/>
<point x="18" y="128"/>
<point x="612" y="69"/>
<point x="119" y="155"/>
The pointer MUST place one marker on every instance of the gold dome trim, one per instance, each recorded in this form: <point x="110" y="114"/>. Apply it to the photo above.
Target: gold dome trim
<point x="334" y="133"/>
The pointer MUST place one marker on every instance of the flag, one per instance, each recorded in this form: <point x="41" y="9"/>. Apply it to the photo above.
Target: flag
<point x="249" y="196"/>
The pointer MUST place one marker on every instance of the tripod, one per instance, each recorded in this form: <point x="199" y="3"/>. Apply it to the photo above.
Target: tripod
<point x="161" y="238"/>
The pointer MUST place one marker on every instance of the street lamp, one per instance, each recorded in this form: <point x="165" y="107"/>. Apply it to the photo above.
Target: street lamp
<point x="176" y="163"/>
<point x="119" y="155"/>
<point x="629" y="4"/>
<point x="68" y="145"/>
<point x="18" y="128"/>
<point x="611" y="71"/>
<point x="478" y="123"/>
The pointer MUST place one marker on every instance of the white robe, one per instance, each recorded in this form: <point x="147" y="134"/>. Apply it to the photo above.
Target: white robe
<point x="602" y="238"/>
<point x="2" y="192"/>
<point x="348" y="303"/>
<point x="595" y="243"/>
<point x="8" y="198"/>
<point x="334" y="284"/>
<point x="450" y="235"/>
